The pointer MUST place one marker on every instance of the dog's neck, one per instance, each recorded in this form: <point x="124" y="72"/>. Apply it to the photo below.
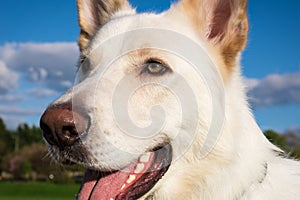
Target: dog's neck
<point x="246" y="169"/>
<point x="255" y="184"/>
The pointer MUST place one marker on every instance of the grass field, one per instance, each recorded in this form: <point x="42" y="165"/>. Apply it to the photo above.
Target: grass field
<point x="37" y="191"/>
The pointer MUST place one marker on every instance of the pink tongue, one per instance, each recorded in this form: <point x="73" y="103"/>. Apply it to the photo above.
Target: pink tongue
<point x="106" y="187"/>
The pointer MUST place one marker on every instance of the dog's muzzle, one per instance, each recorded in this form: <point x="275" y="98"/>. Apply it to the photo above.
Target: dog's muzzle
<point x="63" y="127"/>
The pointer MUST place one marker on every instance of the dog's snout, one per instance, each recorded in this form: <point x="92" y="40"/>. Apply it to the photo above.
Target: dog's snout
<point x="63" y="126"/>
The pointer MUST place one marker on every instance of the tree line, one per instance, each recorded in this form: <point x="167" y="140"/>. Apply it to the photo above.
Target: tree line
<point x="24" y="156"/>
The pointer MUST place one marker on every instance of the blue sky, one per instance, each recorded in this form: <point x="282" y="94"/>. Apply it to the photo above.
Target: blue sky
<point x="38" y="55"/>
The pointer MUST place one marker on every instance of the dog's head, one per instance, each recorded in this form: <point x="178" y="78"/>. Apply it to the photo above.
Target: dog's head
<point x="146" y="92"/>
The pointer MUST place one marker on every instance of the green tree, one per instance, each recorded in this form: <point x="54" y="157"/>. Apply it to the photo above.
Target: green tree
<point x="30" y="160"/>
<point x="6" y="141"/>
<point x="2" y="127"/>
<point x="2" y="141"/>
<point x="289" y="142"/>
<point x="276" y="139"/>
<point x="28" y="135"/>
<point x="293" y="144"/>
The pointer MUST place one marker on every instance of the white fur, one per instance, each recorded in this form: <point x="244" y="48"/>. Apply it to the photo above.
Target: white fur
<point x="243" y="164"/>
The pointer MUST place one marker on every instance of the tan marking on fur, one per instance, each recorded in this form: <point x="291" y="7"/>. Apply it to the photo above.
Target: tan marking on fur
<point x="140" y="56"/>
<point x="195" y="13"/>
<point x="230" y="38"/>
<point x="237" y="33"/>
<point x="218" y="60"/>
<point x="92" y="14"/>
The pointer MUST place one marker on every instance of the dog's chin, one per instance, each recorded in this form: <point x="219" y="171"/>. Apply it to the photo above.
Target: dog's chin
<point x="131" y="182"/>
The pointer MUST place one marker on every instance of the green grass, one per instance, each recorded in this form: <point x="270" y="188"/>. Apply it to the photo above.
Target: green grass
<point x="37" y="191"/>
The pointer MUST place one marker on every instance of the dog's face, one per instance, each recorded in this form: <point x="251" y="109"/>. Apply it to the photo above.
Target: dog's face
<point x="140" y="108"/>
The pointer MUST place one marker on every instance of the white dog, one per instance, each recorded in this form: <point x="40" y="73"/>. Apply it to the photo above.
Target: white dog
<point x="151" y="90"/>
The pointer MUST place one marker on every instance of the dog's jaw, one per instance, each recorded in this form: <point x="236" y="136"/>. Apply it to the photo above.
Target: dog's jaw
<point x="132" y="182"/>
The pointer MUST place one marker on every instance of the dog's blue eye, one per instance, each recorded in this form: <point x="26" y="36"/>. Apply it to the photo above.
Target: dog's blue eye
<point x="155" y="68"/>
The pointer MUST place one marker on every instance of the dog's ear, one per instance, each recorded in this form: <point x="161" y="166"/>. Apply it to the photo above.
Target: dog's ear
<point x="222" y="22"/>
<point x="92" y="14"/>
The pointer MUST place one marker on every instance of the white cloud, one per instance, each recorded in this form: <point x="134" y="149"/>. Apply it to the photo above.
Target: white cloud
<point x="37" y="74"/>
<point x="251" y="83"/>
<point x="11" y="98"/>
<point x="8" y="79"/>
<point x="41" y="92"/>
<point x="44" y="70"/>
<point x="275" y="89"/>
<point x="14" y="110"/>
<point x="67" y="84"/>
<point x="48" y="64"/>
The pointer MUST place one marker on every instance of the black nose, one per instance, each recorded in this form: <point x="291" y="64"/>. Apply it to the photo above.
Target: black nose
<point x="62" y="126"/>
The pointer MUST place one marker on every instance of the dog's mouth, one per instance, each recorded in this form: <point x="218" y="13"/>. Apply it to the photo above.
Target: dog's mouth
<point x="132" y="182"/>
